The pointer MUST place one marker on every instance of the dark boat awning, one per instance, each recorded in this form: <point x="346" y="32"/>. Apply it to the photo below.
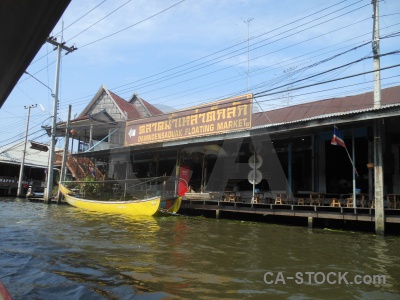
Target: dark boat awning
<point x="25" y="26"/>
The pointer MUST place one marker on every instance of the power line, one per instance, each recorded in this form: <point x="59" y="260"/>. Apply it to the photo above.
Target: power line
<point x="119" y="7"/>
<point x="137" y="23"/>
<point x="171" y="78"/>
<point x="158" y="80"/>
<point x="14" y="141"/>
<point x="268" y="68"/>
<point x="224" y="57"/>
<point x="80" y="18"/>
<point x="166" y="78"/>
<point x="262" y="94"/>
<point x="227" y="48"/>
<point x="65" y="28"/>
<point x="265" y="93"/>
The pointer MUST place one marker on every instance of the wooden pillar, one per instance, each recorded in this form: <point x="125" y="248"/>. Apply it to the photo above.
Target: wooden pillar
<point x="370" y="172"/>
<point x="378" y="167"/>
<point x="290" y="177"/>
<point x="310" y="222"/>
<point x="65" y="155"/>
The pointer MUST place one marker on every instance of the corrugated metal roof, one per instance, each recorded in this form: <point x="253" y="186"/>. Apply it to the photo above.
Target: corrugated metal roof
<point x="13" y="154"/>
<point x="326" y="108"/>
<point x="131" y="111"/>
<point x="140" y="102"/>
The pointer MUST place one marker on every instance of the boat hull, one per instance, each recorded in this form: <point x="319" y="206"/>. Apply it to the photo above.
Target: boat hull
<point x="170" y="206"/>
<point x="145" y="207"/>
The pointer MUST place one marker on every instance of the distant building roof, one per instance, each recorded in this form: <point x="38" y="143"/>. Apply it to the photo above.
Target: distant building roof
<point x="12" y="154"/>
<point x="326" y="108"/>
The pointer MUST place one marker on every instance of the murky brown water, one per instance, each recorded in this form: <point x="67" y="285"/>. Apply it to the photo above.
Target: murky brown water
<point x="60" y="252"/>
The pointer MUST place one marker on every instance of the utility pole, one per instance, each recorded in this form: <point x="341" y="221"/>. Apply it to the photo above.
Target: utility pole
<point x="59" y="46"/>
<point x="21" y="171"/>
<point x="378" y="156"/>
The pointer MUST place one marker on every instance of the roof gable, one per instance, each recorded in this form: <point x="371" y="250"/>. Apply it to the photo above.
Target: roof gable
<point x="130" y="111"/>
<point x="117" y="107"/>
<point x="145" y="108"/>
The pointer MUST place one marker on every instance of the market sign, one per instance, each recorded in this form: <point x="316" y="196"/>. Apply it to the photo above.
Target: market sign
<point x="217" y="117"/>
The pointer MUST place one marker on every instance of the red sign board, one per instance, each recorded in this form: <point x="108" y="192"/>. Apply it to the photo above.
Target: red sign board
<point x="184" y="176"/>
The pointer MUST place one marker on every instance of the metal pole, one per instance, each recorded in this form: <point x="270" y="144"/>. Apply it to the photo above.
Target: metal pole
<point x="48" y="195"/>
<point x="90" y="134"/>
<point x="177" y="171"/>
<point x="49" y="186"/>
<point x="21" y="171"/>
<point x="290" y="167"/>
<point x="65" y="154"/>
<point x="254" y="174"/>
<point x="354" y="170"/>
<point x="378" y="156"/>
<point x="376" y="52"/>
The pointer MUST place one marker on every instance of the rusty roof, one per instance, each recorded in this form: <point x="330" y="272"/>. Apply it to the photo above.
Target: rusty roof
<point x="326" y="108"/>
<point x="130" y="110"/>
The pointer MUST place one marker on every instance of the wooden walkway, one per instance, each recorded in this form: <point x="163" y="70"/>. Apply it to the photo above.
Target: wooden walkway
<point x="321" y="212"/>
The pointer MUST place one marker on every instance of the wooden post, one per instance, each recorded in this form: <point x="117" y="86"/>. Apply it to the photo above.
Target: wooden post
<point x="65" y="154"/>
<point x="164" y="186"/>
<point x="310" y="222"/>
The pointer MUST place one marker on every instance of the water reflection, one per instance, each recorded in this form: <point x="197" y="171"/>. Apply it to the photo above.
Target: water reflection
<point x="52" y="252"/>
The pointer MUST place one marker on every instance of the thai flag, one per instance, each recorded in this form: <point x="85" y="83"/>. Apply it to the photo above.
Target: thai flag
<point x="337" y="138"/>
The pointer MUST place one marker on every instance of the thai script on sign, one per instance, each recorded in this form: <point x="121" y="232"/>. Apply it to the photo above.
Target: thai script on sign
<point x="222" y="116"/>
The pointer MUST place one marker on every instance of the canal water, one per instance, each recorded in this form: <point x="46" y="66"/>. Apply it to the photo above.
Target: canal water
<point x="60" y="252"/>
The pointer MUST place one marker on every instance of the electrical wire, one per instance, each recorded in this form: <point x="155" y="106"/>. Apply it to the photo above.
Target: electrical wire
<point x="206" y="74"/>
<point x="95" y="23"/>
<point x="260" y="95"/>
<point x="265" y="93"/>
<point x="244" y="50"/>
<point x="227" y="48"/>
<point x="130" y="26"/>
<point x="65" y="28"/>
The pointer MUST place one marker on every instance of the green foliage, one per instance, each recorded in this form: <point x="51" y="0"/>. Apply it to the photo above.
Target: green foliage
<point x="89" y="187"/>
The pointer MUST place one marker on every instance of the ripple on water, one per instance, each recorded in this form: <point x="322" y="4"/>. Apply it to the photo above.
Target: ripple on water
<point x="54" y="252"/>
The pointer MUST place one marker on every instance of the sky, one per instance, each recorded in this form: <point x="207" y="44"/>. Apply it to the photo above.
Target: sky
<point x="181" y="53"/>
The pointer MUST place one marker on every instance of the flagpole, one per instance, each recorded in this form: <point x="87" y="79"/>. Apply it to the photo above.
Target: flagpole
<point x="354" y="171"/>
<point x="338" y="140"/>
<point x="354" y="167"/>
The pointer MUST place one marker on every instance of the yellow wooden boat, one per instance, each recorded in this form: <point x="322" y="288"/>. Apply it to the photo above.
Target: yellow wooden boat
<point x="143" y="207"/>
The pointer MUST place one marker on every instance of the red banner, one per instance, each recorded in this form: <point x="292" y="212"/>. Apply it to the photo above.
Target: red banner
<point x="184" y="174"/>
